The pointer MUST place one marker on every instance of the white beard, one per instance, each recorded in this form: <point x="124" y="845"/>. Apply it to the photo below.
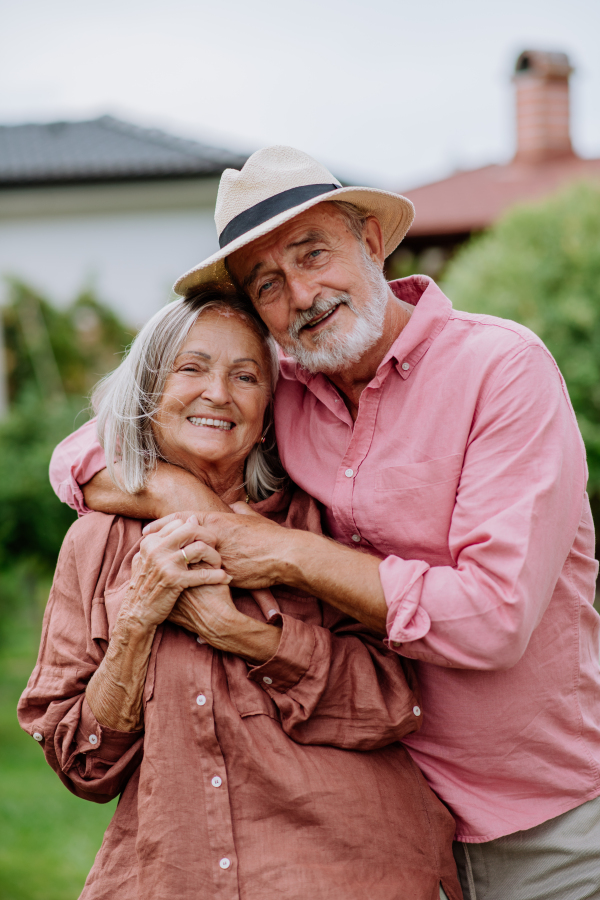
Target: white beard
<point x="341" y="351"/>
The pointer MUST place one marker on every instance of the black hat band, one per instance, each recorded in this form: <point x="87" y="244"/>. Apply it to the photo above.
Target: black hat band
<point x="271" y="207"/>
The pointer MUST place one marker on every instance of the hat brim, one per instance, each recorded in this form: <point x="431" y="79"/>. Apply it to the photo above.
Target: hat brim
<point x="395" y="213"/>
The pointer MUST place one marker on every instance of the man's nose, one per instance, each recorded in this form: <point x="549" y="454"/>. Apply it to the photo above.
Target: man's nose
<point x="302" y="291"/>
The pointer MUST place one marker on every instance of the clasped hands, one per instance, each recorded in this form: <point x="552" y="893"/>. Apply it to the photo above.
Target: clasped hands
<point x="194" y="595"/>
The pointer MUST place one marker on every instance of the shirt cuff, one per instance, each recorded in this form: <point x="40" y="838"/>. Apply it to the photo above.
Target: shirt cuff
<point x="293" y="658"/>
<point x="94" y="739"/>
<point x="70" y="493"/>
<point x="402" y="582"/>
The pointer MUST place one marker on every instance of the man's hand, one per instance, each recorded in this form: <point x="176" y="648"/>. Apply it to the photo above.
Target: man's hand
<point x="253" y="545"/>
<point x="258" y="553"/>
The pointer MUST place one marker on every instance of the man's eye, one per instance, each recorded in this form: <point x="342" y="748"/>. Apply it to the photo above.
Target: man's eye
<point x="314" y="253"/>
<point x="265" y="287"/>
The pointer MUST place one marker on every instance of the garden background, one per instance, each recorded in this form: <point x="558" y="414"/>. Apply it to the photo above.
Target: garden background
<point x="539" y="265"/>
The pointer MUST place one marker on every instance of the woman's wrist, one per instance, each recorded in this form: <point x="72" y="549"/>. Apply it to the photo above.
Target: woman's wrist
<point x="253" y="640"/>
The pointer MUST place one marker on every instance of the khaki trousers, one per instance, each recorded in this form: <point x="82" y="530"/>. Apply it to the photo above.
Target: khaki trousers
<point x="557" y="860"/>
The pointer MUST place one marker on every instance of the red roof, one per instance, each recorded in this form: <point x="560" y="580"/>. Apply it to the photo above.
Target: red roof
<point x="471" y="201"/>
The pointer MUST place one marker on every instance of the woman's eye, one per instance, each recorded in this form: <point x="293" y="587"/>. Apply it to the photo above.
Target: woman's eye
<point x="247" y="379"/>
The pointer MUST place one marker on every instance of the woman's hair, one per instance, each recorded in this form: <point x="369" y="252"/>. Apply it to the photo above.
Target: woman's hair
<point x="126" y="400"/>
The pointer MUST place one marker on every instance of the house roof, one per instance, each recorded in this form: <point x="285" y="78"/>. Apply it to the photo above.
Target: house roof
<point x="471" y="201"/>
<point x="104" y="149"/>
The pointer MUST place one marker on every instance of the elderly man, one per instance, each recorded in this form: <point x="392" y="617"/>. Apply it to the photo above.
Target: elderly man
<point x="446" y="456"/>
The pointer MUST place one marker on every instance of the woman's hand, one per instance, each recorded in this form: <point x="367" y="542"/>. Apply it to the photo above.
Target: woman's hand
<point x="210" y="613"/>
<point x="159" y="574"/>
<point x="160" y="571"/>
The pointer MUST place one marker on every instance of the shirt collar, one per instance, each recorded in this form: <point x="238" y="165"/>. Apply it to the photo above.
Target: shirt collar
<point x="432" y="311"/>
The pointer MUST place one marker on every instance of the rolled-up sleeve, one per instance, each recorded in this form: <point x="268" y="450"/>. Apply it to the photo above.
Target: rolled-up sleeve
<point x="339" y="685"/>
<point x="93" y="761"/>
<point x="74" y="462"/>
<point x="518" y="507"/>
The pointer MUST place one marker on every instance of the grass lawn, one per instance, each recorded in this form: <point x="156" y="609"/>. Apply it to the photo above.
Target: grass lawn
<point x="48" y="837"/>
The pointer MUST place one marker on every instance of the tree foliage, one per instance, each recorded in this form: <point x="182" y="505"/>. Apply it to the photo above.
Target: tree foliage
<point x="540" y="265"/>
<point x="53" y="359"/>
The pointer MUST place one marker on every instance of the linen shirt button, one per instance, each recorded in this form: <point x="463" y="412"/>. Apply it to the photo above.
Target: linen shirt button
<point x="396" y="644"/>
<point x="417" y="710"/>
<point x="200" y="699"/>
<point x="349" y="473"/>
<point x="93" y="739"/>
<point x="225" y="863"/>
<point x="37" y="736"/>
<point x="406" y="366"/>
<point x="267" y="680"/>
<point x="216" y="781"/>
<point x="356" y="538"/>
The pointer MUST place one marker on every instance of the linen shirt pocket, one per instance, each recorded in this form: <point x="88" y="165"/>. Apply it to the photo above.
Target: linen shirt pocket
<point x="415" y="503"/>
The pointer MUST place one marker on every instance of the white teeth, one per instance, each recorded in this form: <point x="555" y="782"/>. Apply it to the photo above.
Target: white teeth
<point x="211" y="423"/>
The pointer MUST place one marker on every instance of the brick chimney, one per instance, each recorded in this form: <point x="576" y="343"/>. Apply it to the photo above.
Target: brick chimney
<point x="542" y="88"/>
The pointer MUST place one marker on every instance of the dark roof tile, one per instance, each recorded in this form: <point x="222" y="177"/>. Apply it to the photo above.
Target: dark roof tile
<point x="104" y="149"/>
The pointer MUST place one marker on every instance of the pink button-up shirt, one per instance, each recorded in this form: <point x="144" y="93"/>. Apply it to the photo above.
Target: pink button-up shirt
<point x="465" y="472"/>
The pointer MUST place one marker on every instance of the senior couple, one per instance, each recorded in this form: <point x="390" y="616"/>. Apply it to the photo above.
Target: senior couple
<point x="279" y="690"/>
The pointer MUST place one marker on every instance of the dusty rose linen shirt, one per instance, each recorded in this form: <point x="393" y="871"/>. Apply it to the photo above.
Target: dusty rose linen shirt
<point x="465" y="472"/>
<point x="285" y="789"/>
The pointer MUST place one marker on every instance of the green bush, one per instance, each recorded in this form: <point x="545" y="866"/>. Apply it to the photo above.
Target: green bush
<point x="540" y="265"/>
<point x="53" y="358"/>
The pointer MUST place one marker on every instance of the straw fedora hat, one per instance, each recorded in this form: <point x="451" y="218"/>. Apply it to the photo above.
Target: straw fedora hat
<point x="275" y="185"/>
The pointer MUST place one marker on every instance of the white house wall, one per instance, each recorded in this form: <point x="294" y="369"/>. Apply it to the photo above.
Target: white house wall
<point x="129" y="243"/>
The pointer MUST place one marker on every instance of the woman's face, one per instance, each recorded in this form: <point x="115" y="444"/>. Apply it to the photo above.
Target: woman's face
<point x="212" y="408"/>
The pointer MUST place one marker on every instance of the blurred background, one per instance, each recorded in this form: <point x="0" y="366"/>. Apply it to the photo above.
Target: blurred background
<point x="116" y="121"/>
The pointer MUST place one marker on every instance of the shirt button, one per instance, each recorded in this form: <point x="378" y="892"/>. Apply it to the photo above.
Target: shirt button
<point x="406" y="366"/>
<point x="349" y="473"/>
<point x="93" y="739"/>
<point x="37" y="736"/>
<point x="356" y="538"/>
<point x="224" y="863"/>
<point x="216" y="781"/>
<point x="267" y="680"/>
<point x="417" y="710"/>
<point x="200" y="699"/>
<point x="396" y="644"/>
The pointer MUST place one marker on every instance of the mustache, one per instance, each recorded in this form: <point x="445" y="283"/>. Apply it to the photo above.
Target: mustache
<point x="321" y="306"/>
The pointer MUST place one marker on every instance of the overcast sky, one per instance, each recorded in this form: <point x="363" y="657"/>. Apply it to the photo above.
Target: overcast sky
<point x="393" y="92"/>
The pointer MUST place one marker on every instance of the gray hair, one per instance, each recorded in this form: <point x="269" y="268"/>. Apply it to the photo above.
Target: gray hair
<point x="353" y="216"/>
<point x="126" y="400"/>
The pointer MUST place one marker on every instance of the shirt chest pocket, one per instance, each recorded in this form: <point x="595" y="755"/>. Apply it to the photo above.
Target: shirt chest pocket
<point x="414" y="506"/>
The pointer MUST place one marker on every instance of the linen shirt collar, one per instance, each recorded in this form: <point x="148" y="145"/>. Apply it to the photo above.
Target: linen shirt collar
<point x="432" y="311"/>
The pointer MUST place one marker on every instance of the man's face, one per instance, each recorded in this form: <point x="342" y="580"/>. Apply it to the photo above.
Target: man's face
<point x="319" y="290"/>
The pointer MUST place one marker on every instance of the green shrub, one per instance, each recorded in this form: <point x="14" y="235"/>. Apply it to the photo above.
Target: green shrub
<point x="540" y="265"/>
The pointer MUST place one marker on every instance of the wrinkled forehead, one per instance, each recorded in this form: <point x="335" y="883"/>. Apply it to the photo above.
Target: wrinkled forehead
<point x="319" y="222"/>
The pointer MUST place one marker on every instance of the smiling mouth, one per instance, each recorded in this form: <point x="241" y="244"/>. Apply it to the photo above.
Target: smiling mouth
<point x="218" y="424"/>
<point x="326" y="315"/>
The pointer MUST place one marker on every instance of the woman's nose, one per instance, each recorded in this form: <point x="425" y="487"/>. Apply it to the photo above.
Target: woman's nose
<point x="217" y="390"/>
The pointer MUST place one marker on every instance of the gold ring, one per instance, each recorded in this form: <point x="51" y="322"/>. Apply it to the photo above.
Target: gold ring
<point x="187" y="562"/>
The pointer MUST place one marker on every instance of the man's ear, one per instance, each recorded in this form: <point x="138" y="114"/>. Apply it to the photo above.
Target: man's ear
<point x="373" y="240"/>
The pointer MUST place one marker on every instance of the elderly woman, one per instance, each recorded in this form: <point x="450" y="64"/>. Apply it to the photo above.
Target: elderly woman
<point x="253" y="738"/>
